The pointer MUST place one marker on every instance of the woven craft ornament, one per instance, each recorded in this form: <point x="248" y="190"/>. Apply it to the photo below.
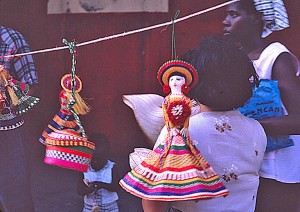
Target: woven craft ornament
<point x="17" y="92"/>
<point x="67" y="85"/>
<point x="80" y="106"/>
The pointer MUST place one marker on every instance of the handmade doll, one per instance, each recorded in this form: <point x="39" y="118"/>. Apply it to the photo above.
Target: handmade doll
<point x="64" y="119"/>
<point x="66" y="143"/>
<point x="175" y="170"/>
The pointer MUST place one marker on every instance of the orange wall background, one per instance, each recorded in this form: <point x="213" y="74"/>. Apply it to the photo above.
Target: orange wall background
<point x="112" y="68"/>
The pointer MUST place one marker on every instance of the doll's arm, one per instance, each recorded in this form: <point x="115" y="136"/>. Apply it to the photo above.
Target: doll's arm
<point x="184" y="130"/>
<point x="186" y="122"/>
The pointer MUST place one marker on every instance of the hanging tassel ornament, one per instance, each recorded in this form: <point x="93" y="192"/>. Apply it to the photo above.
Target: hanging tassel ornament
<point x="166" y="89"/>
<point x="67" y="144"/>
<point x="80" y="106"/>
<point x="25" y="102"/>
<point x="185" y="88"/>
<point x="17" y="92"/>
<point x="5" y="78"/>
<point x="2" y="101"/>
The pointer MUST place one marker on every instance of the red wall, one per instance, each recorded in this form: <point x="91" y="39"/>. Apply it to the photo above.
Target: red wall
<point x="109" y="69"/>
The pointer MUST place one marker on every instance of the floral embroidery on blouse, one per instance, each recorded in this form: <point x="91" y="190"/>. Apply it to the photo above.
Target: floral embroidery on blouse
<point x="230" y="173"/>
<point x="222" y="124"/>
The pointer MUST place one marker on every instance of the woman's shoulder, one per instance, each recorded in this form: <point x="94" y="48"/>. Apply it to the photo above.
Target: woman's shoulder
<point x="274" y="49"/>
<point x="234" y="118"/>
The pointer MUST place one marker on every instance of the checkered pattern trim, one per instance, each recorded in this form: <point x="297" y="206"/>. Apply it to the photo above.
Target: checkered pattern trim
<point x="275" y="15"/>
<point x="50" y="153"/>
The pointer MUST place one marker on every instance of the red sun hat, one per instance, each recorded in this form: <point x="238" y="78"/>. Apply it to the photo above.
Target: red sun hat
<point x="190" y="73"/>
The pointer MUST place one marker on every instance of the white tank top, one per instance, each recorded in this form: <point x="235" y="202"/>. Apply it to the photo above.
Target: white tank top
<point x="284" y="164"/>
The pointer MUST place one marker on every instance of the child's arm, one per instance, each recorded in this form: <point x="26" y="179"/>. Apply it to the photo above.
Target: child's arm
<point x="114" y="186"/>
<point x="82" y="188"/>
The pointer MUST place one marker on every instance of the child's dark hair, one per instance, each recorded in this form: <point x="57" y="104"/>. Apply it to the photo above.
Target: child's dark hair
<point x="102" y="143"/>
<point x="225" y="74"/>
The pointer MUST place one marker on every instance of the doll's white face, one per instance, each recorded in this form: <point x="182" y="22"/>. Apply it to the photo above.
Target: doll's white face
<point x="175" y="83"/>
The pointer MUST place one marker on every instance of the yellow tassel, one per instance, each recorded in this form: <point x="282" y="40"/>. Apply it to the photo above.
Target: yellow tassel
<point x="13" y="96"/>
<point x="80" y="107"/>
<point x="4" y="76"/>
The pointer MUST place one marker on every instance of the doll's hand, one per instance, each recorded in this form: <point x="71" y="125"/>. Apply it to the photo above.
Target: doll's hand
<point x="184" y="132"/>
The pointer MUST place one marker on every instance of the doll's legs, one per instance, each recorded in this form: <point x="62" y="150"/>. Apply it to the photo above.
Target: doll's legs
<point x="154" y="206"/>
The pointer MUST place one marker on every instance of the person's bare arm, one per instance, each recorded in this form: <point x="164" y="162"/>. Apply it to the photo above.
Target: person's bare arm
<point x="289" y="85"/>
<point x="82" y="188"/>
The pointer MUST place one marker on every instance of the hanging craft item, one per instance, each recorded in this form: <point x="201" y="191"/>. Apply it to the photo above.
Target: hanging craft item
<point x="67" y="145"/>
<point x="17" y="92"/>
<point x="175" y="170"/>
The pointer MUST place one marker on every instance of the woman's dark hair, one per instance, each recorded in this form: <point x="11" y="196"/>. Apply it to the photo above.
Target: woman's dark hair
<point x="248" y="6"/>
<point x="224" y="74"/>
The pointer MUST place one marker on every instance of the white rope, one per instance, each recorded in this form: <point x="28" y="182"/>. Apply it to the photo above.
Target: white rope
<point x="130" y="32"/>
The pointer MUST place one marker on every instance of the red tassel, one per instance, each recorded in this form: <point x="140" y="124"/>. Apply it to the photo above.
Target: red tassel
<point x="166" y="89"/>
<point x="185" y="88"/>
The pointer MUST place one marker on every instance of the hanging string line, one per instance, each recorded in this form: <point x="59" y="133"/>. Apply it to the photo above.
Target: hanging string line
<point x="174" y="56"/>
<point x="128" y="33"/>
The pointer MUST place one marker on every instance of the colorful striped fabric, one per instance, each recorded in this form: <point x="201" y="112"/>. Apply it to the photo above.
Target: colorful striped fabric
<point x="62" y="120"/>
<point x="180" y="174"/>
<point x="274" y="14"/>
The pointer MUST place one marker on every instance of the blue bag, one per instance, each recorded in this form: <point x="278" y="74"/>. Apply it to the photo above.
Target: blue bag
<point x="266" y="103"/>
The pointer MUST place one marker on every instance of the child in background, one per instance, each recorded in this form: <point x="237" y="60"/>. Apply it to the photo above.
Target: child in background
<point x="99" y="185"/>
